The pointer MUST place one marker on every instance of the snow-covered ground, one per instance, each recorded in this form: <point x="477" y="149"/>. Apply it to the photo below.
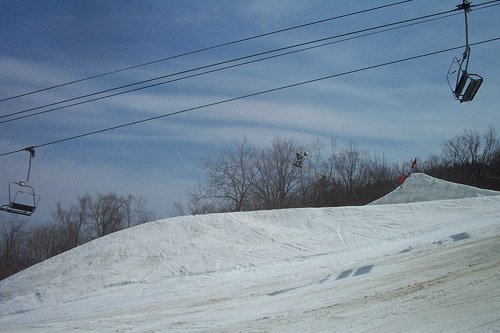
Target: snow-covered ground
<point x="431" y="264"/>
<point x="420" y="187"/>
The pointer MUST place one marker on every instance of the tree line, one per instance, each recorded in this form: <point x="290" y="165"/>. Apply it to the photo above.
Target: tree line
<point x="244" y="177"/>
<point x="23" y="245"/>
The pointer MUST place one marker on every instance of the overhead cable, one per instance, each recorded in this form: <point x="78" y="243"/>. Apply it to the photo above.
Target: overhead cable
<point x="424" y="19"/>
<point x="480" y="6"/>
<point x="263" y="92"/>
<point x="208" y="48"/>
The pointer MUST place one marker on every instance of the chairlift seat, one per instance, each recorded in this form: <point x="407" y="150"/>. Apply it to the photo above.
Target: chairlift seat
<point x="22" y="207"/>
<point x="17" y="208"/>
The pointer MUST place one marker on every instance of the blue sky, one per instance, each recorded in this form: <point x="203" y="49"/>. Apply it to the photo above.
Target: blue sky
<point x="402" y="110"/>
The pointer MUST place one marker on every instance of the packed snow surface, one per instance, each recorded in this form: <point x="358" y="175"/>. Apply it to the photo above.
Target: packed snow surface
<point x="420" y="187"/>
<point x="430" y="264"/>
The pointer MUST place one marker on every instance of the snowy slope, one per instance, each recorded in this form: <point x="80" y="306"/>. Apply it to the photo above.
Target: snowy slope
<point x="420" y="187"/>
<point x="421" y="266"/>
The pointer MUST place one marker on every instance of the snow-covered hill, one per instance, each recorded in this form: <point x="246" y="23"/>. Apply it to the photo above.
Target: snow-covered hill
<point x="419" y="266"/>
<point x="420" y="187"/>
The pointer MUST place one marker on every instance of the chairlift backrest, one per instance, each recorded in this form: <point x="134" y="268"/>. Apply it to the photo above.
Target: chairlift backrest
<point x="475" y="82"/>
<point x="467" y="86"/>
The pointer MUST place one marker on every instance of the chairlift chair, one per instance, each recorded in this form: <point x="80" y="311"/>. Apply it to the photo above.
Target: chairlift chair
<point x="466" y="85"/>
<point x="22" y="197"/>
<point x="464" y="80"/>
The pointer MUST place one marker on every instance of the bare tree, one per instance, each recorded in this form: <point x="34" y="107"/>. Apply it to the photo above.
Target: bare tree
<point x="72" y="221"/>
<point x="490" y="146"/>
<point x="463" y="149"/>
<point x="278" y="183"/>
<point x="106" y="213"/>
<point x="468" y="156"/>
<point x="45" y="241"/>
<point x="382" y="179"/>
<point x="352" y="169"/>
<point x="327" y="184"/>
<point x="310" y="175"/>
<point x="230" y="176"/>
<point x="13" y="238"/>
<point x="177" y="209"/>
<point x="136" y="211"/>
<point x="198" y="204"/>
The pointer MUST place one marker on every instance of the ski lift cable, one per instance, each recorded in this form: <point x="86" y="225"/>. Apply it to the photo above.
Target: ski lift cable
<point x="211" y="71"/>
<point x="79" y="136"/>
<point x="245" y="39"/>
<point x="423" y="19"/>
<point x="223" y="68"/>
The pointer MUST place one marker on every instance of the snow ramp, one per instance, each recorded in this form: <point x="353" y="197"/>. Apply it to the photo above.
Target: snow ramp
<point x="421" y="187"/>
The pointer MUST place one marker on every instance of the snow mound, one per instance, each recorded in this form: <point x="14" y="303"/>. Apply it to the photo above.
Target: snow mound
<point x="431" y="263"/>
<point x="190" y="246"/>
<point x="421" y="187"/>
<point x="196" y="245"/>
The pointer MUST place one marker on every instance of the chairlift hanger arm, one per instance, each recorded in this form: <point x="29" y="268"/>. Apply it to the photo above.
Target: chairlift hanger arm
<point x="30" y="150"/>
<point x="466" y="7"/>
